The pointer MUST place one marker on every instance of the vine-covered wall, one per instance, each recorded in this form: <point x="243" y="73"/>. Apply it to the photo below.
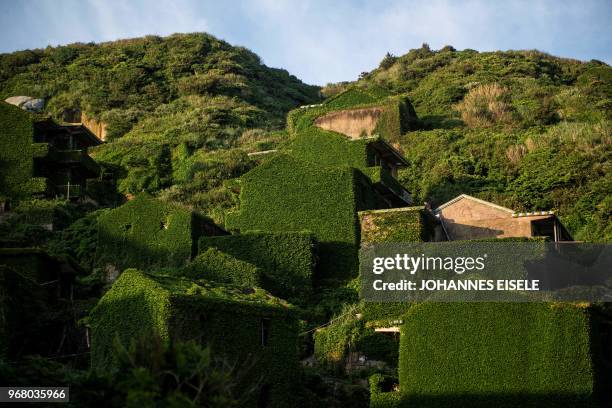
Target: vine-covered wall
<point x="220" y="267"/>
<point x="145" y="233"/>
<point x="287" y="260"/>
<point x="288" y="194"/>
<point x="16" y="163"/>
<point x="229" y="320"/>
<point x="407" y="224"/>
<point x="516" y="354"/>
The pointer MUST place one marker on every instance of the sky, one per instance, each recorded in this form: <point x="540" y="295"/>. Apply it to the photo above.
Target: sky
<point x="322" y="41"/>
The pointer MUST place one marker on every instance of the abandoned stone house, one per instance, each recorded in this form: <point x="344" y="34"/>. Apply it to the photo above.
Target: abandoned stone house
<point x="42" y="157"/>
<point x="35" y="291"/>
<point x="148" y="233"/>
<point x="466" y="217"/>
<point x="249" y="329"/>
<point x="66" y="163"/>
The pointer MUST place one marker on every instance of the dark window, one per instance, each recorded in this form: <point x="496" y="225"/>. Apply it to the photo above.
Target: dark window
<point x="265" y="331"/>
<point x="543" y="228"/>
<point x="264" y="396"/>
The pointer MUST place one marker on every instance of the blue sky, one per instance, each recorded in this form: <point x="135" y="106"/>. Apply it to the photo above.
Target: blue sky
<point x="322" y="41"/>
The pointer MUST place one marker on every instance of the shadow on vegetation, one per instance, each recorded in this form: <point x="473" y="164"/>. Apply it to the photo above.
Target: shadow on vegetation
<point x="430" y="122"/>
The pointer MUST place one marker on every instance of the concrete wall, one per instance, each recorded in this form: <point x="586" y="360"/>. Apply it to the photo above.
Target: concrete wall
<point x="96" y="127"/>
<point x="468" y="219"/>
<point x="352" y="122"/>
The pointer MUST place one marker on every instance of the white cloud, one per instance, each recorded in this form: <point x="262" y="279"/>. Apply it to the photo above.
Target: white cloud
<point x="321" y="41"/>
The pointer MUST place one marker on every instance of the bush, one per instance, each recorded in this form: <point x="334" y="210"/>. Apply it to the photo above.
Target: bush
<point x="485" y="105"/>
<point x="217" y="266"/>
<point x="286" y="260"/>
<point x="150" y="373"/>
<point x="79" y="240"/>
<point x="333" y="342"/>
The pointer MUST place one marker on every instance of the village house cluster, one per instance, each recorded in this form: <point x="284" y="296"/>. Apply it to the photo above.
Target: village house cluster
<point x="304" y="212"/>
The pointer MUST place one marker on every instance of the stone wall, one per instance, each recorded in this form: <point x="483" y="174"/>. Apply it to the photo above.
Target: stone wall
<point x="96" y="127"/>
<point x="468" y="219"/>
<point x="353" y="123"/>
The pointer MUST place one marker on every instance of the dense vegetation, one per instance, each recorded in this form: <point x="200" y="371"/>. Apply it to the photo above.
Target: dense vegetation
<point x="167" y="103"/>
<point x="523" y="129"/>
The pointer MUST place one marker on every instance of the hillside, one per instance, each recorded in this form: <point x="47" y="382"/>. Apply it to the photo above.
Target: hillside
<point x="521" y="128"/>
<point x="154" y="94"/>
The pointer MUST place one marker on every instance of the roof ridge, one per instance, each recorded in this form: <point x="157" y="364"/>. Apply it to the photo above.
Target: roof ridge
<point x="478" y="200"/>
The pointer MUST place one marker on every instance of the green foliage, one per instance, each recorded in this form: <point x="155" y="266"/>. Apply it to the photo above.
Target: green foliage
<point x="79" y="240"/>
<point x="333" y="341"/>
<point x="200" y="179"/>
<point x="393" y="225"/>
<point x="16" y="164"/>
<point x="381" y="393"/>
<point x="150" y="372"/>
<point x="383" y="313"/>
<point x="273" y="197"/>
<point x="155" y="93"/>
<point x="286" y="259"/>
<point x="180" y="309"/>
<point x="565" y="167"/>
<point x="146" y="233"/>
<point x="355" y="96"/>
<point x="57" y="213"/>
<point x="507" y="354"/>
<point x="137" y="75"/>
<point x="349" y="331"/>
<point x="218" y="266"/>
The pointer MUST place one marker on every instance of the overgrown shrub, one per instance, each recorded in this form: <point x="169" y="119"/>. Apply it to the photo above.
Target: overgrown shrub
<point x="217" y="266"/>
<point x="286" y="260"/>
<point x="486" y="105"/>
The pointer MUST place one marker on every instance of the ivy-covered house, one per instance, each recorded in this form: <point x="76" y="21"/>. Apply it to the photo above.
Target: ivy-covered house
<point x="481" y="353"/>
<point x="323" y="178"/>
<point x="36" y="291"/>
<point x="41" y="157"/>
<point x="148" y="233"/>
<point x="249" y="328"/>
<point x="499" y="354"/>
<point x="286" y="260"/>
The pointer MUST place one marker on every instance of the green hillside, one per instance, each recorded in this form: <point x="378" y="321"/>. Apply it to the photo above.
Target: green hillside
<point x="520" y="128"/>
<point x="167" y="102"/>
